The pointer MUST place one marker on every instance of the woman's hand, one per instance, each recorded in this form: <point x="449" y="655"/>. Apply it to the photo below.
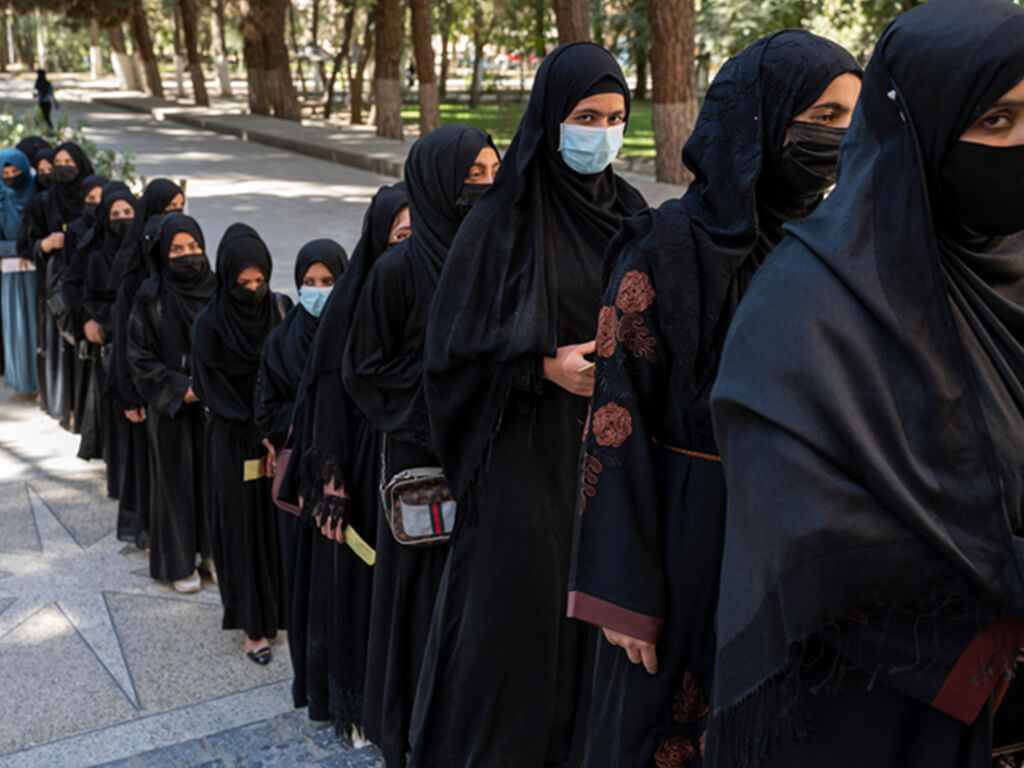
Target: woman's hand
<point x="136" y="415"/>
<point x="638" y="651"/>
<point x="52" y="242"/>
<point x="93" y="331"/>
<point x="335" y="531"/>
<point x="190" y="396"/>
<point x="570" y="370"/>
<point x="270" y="460"/>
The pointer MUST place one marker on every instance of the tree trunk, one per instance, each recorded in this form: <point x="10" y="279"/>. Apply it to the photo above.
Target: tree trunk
<point x="640" y="59"/>
<point x="271" y="90"/>
<point x="540" y="23"/>
<point x="316" y="23"/>
<point x="341" y="57"/>
<point x="356" y="83"/>
<point x="5" y="45"/>
<point x="143" y="44"/>
<point x="387" y="86"/>
<point x="573" y="17"/>
<point x="430" y="109"/>
<point x="179" y="66"/>
<point x="446" y="33"/>
<point x="40" y="40"/>
<point x="295" y="47"/>
<point x="189" y="23"/>
<point x="673" y="69"/>
<point x="220" y="48"/>
<point x="476" y="84"/>
<point x="12" y="49"/>
<point x="124" y="69"/>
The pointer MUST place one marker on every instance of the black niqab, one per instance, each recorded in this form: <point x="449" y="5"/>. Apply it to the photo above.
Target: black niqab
<point x="884" y="367"/>
<point x="523" y="275"/>
<point x="194" y="291"/>
<point x="68" y="195"/>
<point x="241" y="326"/>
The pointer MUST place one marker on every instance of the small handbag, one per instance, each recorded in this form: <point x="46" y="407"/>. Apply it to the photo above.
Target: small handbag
<point x="418" y="505"/>
<point x="283" y="457"/>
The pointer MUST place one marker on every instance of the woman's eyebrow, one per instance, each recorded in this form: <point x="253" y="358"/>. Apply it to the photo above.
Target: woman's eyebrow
<point x="833" y="105"/>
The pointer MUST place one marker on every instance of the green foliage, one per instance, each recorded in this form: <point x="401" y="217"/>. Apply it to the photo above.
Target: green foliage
<point x="111" y="163"/>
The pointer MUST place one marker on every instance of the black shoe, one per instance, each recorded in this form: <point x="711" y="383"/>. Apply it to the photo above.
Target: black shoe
<point x="260" y="656"/>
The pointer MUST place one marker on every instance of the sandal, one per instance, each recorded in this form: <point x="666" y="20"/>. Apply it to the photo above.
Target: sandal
<point x="260" y="656"/>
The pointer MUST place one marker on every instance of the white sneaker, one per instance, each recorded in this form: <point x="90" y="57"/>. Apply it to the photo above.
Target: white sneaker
<point x="189" y="584"/>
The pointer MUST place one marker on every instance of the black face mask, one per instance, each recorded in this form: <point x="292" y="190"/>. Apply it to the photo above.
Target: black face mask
<point x="243" y="295"/>
<point x="89" y="211"/>
<point x="984" y="187"/>
<point x="65" y="173"/>
<point x="470" y="194"/>
<point x="119" y="226"/>
<point x="44" y="180"/>
<point x="15" y="182"/>
<point x="186" y="266"/>
<point x="807" y="168"/>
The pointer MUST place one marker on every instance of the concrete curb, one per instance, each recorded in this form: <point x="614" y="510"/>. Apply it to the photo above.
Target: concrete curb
<point x="386" y="163"/>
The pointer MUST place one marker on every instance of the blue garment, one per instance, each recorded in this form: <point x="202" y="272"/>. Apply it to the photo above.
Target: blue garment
<point x="18" y="289"/>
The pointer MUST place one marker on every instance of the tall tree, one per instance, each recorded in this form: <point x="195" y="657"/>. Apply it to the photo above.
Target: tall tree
<point x="430" y="109"/>
<point x="190" y="26"/>
<point x="482" y="29"/>
<point x="673" y="67"/>
<point x="299" y="74"/>
<point x="95" y="52"/>
<point x="573" y="18"/>
<point x="271" y="91"/>
<point x="220" y="47"/>
<point x="356" y="80"/>
<point x="387" y="86"/>
<point x="179" y="66"/>
<point x="342" y="56"/>
<point x="143" y="44"/>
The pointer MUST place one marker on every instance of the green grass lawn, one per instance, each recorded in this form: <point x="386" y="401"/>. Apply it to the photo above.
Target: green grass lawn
<point x="502" y="119"/>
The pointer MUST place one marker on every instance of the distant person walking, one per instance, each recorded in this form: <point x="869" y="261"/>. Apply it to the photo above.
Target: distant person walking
<point x="43" y="90"/>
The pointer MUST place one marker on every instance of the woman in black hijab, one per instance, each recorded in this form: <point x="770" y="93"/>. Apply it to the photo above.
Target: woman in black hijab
<point x="648" y="537"/>
<point x="161" y="196"/>
<point x="117" y="229"/>
<point x="43" y="91"/>
<point x="227" y="340"/>
<point x="317" y="268"/>
<point x="31" y="146"/>
<point x="44" y="235"/>
<point x="332" y="584"/>
<point x="521" y="285"/>
<point x="382" y="371"/>
<point x="870" y="412"/>
<point x="159" y="355"/>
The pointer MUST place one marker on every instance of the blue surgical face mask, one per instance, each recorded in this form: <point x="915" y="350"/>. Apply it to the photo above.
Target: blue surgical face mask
<point x="313" y="298"/>
<point x="590" y="150"/>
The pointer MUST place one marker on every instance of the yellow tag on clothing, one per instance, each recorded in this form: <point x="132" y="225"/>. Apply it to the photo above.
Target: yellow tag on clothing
<point x="357" y="544"/>
<point x="252" y="469"/>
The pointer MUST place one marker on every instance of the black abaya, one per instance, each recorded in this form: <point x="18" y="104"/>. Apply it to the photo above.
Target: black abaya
<point x="647" y="549"/>
<point x="332" y="439"/>
<point x="382" y="372"/>
<point x="159" y="354"/>
<point x="869" y="411"/>
<point x="284" y="357"/>
<point x="227" y="339"/>
<point x="503" y="663"/>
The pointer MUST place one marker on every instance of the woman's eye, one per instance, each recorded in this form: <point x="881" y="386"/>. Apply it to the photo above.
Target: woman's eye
<point x="996" y="121"/>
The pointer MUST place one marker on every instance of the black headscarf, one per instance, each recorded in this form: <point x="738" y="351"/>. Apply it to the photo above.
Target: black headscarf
<point x="68" y="196"/>
<point x="435" y="173"/>
<point x="42" y="84"/>
<point x="327" y="252"/>
<point x="706" y="246"/>
<point x="106" y="247"/>
<point x="323" y="365"/>
<point x="869" y="400"/>
<point x="193" y="291"/>
<point x="112" y="242"/>
<point x="524" y="274"/>
<point x="157" y="196"/>
<point x="31" y="145"/>
<point x="89" y="183"/>
<point x="241" y="327"/>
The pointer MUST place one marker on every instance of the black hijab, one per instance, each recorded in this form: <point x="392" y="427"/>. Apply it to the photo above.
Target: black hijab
<point x="873" y="475"/>
<point x="706" y="246"/>
<point x="194" y="291"/>
<point x="327" y="252"/>
<point x="240" y="327"/>
<point x="113" y="243"/>
<point x="524" y="274"/>
<point x="68" y="196"/>
<point x="42" y="84"/>
<point x="157" y="196"/>
<point x="31" y="146"/>
<point x="88" y="184"/>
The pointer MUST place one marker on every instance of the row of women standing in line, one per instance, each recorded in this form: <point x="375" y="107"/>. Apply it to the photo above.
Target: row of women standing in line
<point x="775" y="500"/>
